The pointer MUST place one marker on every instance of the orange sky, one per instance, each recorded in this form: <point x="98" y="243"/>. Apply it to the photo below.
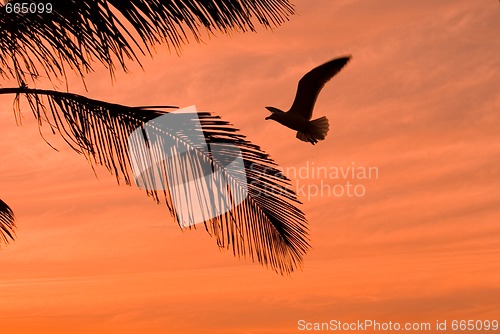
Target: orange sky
<point x="419" y="101"/>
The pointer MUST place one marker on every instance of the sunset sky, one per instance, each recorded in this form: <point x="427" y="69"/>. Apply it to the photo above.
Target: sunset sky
<point x="419" y="102"/>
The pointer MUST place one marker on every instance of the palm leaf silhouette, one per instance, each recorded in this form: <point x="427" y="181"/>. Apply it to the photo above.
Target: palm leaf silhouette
<point x="266" y="227"/>
<point x="77" y="32"/>
<point x="7" y="224"/>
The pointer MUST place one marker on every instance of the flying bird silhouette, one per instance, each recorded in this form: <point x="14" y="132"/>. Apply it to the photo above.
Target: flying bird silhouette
<point x="300" y="113"/>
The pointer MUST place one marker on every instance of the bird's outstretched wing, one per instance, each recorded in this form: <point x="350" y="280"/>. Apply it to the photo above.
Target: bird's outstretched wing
<point x="311" y="84"/>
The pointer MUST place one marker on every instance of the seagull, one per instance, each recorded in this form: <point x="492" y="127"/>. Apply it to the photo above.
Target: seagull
<point x="299" y="116"/>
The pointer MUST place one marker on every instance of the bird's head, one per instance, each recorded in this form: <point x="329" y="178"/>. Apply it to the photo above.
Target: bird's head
<point x="274" y="112"/>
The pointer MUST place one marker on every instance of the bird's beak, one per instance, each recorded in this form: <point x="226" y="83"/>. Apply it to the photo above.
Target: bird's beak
<point x="268" y="117"/>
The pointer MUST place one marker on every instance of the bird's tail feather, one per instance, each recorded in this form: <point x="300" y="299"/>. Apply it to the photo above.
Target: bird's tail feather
<point x="317" y="131"/>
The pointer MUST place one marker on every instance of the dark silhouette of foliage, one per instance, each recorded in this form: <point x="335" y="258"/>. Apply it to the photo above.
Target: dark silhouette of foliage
<point x="7" y="224"/>
<point x="267" y="226"/>
<point x="77" y="32"/>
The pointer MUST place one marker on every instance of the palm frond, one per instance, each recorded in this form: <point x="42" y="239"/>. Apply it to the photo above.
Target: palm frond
<point x="7" y="224"/>
<point x="262" y="222"/>
<point x="76" y="32"/>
